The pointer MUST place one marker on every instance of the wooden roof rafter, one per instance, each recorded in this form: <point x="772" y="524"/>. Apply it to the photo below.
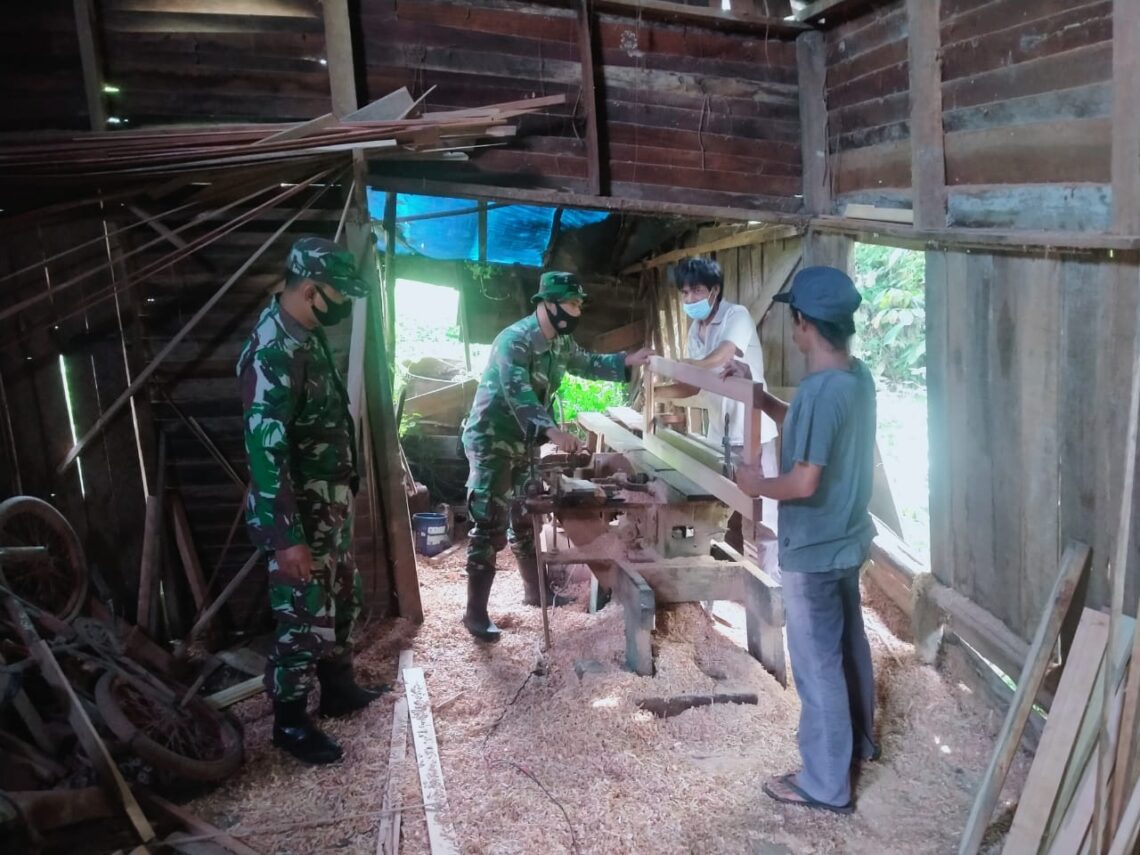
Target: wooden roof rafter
<point x="678" y="13"/>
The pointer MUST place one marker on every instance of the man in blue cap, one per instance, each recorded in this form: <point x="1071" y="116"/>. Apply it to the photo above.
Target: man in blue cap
<point x="825" y="531"/>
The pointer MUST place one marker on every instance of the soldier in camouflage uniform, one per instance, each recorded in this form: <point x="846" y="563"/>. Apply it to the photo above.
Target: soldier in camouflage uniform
<point x="527" y="363"/>
<point x="302" y="461"/>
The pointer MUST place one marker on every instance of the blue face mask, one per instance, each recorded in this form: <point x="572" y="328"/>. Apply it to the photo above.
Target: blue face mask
<point x="699" y="310"/>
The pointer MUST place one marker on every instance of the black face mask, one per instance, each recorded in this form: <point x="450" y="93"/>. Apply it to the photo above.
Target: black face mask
<point x="563" y="322"/>
<point x="333" y="313"/>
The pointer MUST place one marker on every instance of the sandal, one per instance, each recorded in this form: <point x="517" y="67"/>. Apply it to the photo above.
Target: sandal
<point x="801" y="798"/>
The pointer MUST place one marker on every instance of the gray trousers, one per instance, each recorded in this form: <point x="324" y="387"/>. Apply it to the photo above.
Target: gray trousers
<point x="831" y="663"/>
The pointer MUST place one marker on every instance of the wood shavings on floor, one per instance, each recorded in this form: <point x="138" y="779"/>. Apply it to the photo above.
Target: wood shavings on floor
<point x="539" y="759"/>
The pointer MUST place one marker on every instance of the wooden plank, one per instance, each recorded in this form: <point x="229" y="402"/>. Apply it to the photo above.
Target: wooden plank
<point x="388" y="836"/>
<point x="150" y="566"/>
<point x="441" y="833"/>
<point x="394" y="105"/>
<point x="93" y="745"/>
<point x="856" y="211"/>
<point x="1073" y="564"/>
<point x="773" y="281"/>
<point x="735" y="388"/>
<point x="613" y="435"/>
<point x="1043" y="783"/>
<point x="1128" y="746"/>
<point x="764" y="614"/>
<point x="185" y="542"/>
<point x="692" y="580"/>
<point x="1126" y="117"/>
<point x="710" y="17"/>
<point x="709" y="479"/>
<point x="747" y="237"/>
<point x="237" y="693"/>
<point x="91" y="59"/>
<point x="811" y="61"/>
<point x="179" y="814"/>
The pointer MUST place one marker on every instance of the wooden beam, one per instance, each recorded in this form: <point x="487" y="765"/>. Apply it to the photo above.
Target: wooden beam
<point x="93" y="745"/>
<point x="703" y="16"/>
<point x="186" y="550"/>
<point x="613" y="435"/>
<point x="955" y="238"/>
<point x="590" y="97"/>
<point x="748" y="237"/>
<point x="235" y="694"/>
<point x="90" y="57"/>
<point x="773" y="284"/>
<point x="830" y="11"/>
<point x="389" y="280"/>
<point x="143" y="376"/>
<point x="855" y="211"/>
<point x="928" y="159"/>
<point x="1126" y="117"/>
<point x="441" y="833"/>
<point x="1074" y="562"/>
<point x="206" y="615"/>
<point x="339" y="56"/>
<point x="811" y="62"/>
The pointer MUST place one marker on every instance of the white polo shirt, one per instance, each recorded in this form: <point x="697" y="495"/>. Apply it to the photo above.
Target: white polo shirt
<point x="732" y="322"/>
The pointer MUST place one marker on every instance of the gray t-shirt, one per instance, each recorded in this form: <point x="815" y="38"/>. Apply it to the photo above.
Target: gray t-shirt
<point x="831" y="423"/>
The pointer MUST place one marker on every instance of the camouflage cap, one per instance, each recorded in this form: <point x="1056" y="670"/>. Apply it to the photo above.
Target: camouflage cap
<point x="557" y="286"/>
<point x="323" y="260"/>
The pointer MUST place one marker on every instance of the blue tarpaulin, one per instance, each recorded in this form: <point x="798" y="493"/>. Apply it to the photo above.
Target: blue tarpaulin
<point x="516" y="234"/>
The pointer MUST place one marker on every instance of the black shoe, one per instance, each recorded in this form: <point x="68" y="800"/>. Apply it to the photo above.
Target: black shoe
<point x="340" y="695"/>
<point x="294" y="732"/>
<point x="476" y="619"/>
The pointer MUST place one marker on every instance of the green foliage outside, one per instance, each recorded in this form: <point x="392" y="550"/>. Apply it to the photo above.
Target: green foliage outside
<point x="891" y="323"/>
<point x="577" y="395"/>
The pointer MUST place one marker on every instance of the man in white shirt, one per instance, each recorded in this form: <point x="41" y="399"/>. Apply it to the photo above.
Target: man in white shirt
<point x="719" y="333"/>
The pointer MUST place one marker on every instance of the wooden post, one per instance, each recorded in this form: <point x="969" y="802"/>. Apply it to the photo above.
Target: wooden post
<point x="1127" y="745"/>
<point x="811" y="61"/>
<point x="1073" y="565"/>
<point x="390" y="280"/>
<point x="640" y="609"/>
<point x="86" y="29"/>
<point x="1125" y="117"/>
<point x="590" y="99"/>
<point x="928" y="160"/>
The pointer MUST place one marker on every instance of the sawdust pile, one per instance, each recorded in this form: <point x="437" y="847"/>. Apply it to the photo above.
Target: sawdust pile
<point x="538" y="758"/>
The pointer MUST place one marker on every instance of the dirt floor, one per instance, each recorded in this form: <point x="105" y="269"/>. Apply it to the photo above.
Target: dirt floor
<point x="539" y="759"/>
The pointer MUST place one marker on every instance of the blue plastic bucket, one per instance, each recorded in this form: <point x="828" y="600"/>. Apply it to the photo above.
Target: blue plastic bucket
<point x="431" y="533"/>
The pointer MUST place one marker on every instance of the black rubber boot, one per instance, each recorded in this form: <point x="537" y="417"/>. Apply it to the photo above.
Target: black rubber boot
<point x="528" y="571"/>
<point x="476" y="619"/>
<point x="339" y="693"/>
<point x="294" y="731"/>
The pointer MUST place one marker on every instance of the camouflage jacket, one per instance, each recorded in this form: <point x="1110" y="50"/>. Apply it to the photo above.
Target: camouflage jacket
<point x="298" y="432"/>
<point x="523" y="373"/>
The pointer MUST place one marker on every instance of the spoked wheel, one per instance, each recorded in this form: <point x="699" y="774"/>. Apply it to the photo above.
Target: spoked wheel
<point x="195" y="742"/>
<point x="55" y="581"/>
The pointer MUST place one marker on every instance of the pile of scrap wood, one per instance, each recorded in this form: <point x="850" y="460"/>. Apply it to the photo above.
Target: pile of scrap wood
<point x="384" y="128"/>
<point x="91" y="707"/>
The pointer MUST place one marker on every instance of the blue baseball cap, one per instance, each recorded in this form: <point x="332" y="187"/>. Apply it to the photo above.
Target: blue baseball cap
<point x="823" y="293"/>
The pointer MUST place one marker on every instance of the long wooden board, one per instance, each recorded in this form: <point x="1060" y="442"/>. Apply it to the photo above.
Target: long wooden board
<point x="1061" y="731"/>
<point x="1073" y="564"/>
<point x="713" y="481"/>
<point x="388" y="837"/>
<point x="441" y="833"/>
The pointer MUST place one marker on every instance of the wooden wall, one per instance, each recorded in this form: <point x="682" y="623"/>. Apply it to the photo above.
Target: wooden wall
<point x="39" y="68"/>
<point x="1028" y="367"/>
<point x="690" y="115"/>
<point x="1026" y="103"/>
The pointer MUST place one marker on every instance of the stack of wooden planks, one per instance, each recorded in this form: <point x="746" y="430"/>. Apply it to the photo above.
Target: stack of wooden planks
<point x="381" y="129"/>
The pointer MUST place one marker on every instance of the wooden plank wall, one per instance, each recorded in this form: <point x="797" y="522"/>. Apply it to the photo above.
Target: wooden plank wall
<point x="690" y="115"/>
<point x="198" y="377"/>
<point x="1027" y="421"/>
<point x="247" y="61"/>
<point x="1026" y="91"/>
<point x="40" y="72"/>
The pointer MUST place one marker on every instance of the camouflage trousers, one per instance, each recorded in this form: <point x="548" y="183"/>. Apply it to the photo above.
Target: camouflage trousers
<point x="314" y="619"/>
<point x="494" y="504"/>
